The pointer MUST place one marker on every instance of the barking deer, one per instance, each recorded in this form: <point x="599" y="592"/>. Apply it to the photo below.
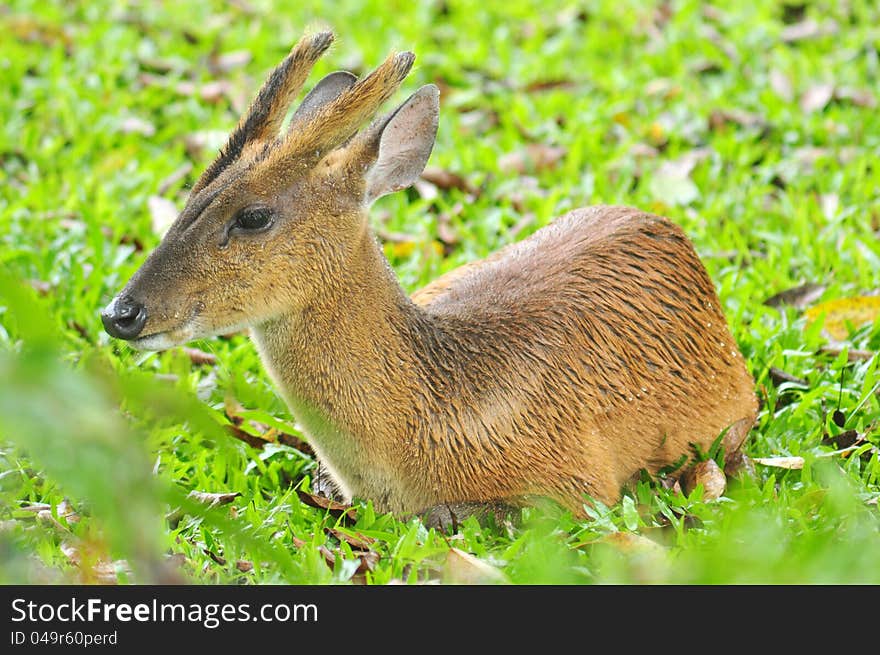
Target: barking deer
<point x="560" y="366"/>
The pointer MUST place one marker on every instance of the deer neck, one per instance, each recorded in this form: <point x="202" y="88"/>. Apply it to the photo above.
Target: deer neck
<point x="346" y="364"/>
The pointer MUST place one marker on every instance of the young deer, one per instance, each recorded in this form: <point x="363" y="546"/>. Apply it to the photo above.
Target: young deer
<point x="559" y="366"/>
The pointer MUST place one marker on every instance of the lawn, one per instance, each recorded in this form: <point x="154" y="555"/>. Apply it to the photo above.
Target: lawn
<point x="754" y="126"/>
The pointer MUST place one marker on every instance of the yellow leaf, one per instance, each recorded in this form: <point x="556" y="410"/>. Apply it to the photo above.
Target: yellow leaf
<point x="844" y="312"/>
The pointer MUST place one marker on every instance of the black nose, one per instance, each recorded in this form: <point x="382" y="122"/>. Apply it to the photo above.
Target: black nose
<point x="124" y="318"/>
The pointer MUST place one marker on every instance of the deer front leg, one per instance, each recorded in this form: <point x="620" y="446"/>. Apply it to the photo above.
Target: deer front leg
<point x="449" y="515"/>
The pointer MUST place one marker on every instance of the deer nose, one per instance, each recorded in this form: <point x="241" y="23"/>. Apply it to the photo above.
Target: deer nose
<point x="124" y="318"/>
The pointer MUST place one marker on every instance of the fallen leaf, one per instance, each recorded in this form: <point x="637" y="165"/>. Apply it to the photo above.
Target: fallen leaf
<point x="163" y="213"/>
<point x="738" y="465"/>
<point x="817" y="97"/>
<point x="549" y="85"/>
<point x="175" y="177"/>
<point x="535" y="157"/>
<point x="779" y="376"/>
<point x="464" y="568"/>
<point x="780" y="462"/>
<point x="135" y="125"/>
<point x="781" y="85"/>
<point x="845" y="439"/>
<point x="630" y="542"/>
<point x="213" y="499"/>
<point x="842" y="313"/>
<point x="853" y="354"/>
<point x="798" y="297"/>
<point x="858" y="97"/>
<point x="721" y="117"/>
<point x="808" y="29"/>
<point x="244" y="566"/>
<point x="221" y="64"/>
<point x="336" y="509"/>
<point x="200" y="357"/>
<point x="446" y="179"/>
<point x="95" y="567"/>
<point x="197" y="143"/>
<point x="357" y="540"/>
<point x="709" y="475"/>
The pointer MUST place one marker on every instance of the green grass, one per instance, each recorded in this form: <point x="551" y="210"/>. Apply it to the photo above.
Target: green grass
<point x="790" y="197"/>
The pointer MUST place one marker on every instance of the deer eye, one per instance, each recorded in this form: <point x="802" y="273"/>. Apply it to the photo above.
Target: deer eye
<point x="253" y="218"/>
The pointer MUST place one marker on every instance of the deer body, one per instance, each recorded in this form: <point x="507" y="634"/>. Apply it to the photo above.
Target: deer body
<point x="559" y="366"/>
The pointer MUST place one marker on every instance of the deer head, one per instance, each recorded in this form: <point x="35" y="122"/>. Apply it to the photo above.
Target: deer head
<point x="269" y="226"/>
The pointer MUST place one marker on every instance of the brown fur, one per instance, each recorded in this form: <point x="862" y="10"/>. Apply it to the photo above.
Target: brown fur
<point x="559" y="366"/>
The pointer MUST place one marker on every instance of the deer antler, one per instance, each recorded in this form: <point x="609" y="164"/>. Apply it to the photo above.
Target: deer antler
<point x="263" y="119"/>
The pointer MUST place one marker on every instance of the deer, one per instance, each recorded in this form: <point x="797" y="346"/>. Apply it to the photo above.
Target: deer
<point x="561" y="366"/>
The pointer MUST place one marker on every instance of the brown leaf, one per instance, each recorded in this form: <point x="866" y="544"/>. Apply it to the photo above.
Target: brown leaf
<point x="464" y="568"/>
<point x="798" y="297"/>
<point x="721" y="117"/>
<point x="221" y="64"/>
<point x="175" y="177"/>
<point x="630" y="542"/>
<point x="357" y="541"/>
<point x="163" y="213"/>
<point x="244" y="566"/>
<point x="858" y="97"/>
<point x="779" y="376"/>
<point x="548" y="85"/>
<point x="845" y="439"/>
<point x="198" y="143"/>
<point x="336" y="509"/>
<point x="853" y="355"/>
<point x="200" y="357"/>
<point x="250" y="439"/>
<point x="446" y="179"/>
<point x="738" y="465"/>
<point x="817" y="97"/>
<point x="135" y="125"/>
<point x="535" y="157"/>
<point x="808" y="29"/>
<point x="213" y="499"/>
<point x="234" y="412"/>
<point x="709" y="475"/>
<point x="780" y="462"/>
<point x="781" y="85"/>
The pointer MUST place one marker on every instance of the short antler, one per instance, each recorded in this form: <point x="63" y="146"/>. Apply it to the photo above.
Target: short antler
<point x="263" y="118"/>
<point x="337" y="120"/>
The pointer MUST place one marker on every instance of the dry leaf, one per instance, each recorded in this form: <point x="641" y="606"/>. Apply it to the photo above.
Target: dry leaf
<point x="548" y="85"/>
<point x="228" y="61"/>
<point x="134" y="125"/>
<point x="337" y="510"/>
<point x="844" y="312"/>
<point x="244" y="566"/>
<point x="445" y="179"/>
<point x="357" y="540"/>
<point x="630" y="542"/>
<point x="709" y="475"/>
<point x="174" y="178"/>
<point x="798" y="297"/>
<point x="817" y="97"/>
<point x="738" y="465"/>
<point x="213" y="499"/>
<point x="792" y="463"/>
<point x="464" y="568"/>
<point x="778" y="376"/>
<point x="198" y="143"/>
<point x="858" y="97"/>
<point x="535" y="157"/>
<point x="853" y="354"/>
<point x="781" y="85"/>
<point x="163" y="213"/>
<point x="721" y="117"/>
<point x="808" y="29"/>
<point x="199" y="357"/>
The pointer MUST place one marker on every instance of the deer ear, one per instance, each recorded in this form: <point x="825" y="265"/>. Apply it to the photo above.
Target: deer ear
<point x="404" y="143"/>
<point x="329" y="88"/>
